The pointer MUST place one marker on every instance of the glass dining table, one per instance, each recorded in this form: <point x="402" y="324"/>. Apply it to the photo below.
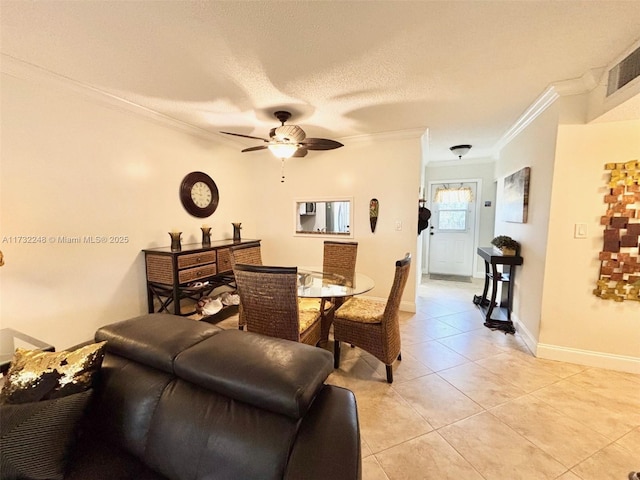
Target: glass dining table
<point x="314" y="283"/>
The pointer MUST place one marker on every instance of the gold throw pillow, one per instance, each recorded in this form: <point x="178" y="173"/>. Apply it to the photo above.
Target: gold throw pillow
<point x="35" y="375"/>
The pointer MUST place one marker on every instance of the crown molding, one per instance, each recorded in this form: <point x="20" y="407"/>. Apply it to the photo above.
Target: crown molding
<point x="17" y="68"/>
<point x="575" y="86"/>
<point x="548" y="97"/>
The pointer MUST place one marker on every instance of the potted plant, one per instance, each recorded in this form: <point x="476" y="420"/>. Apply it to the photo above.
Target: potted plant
<point x="506" y="245"/>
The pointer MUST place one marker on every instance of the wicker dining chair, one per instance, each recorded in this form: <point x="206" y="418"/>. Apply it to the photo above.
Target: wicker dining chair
<point x="248" y="254"/>
<point x="373" y="325"/>
<point x="340" y="258"/>
<point x="269" y="299"/>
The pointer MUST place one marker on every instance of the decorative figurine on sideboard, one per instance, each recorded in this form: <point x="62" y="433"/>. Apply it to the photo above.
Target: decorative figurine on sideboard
<point x="206" y="235"/>
<point x="175" y="240"/>
<point x="236" y="231"/>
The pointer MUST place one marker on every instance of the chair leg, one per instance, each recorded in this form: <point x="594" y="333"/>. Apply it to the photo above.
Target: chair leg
<point x="336" y="353"/>
<point x="389" y="373"/>
<point x="240" y="327"/>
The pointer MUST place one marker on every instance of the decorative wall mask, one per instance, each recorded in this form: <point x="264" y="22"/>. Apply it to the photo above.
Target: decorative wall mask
<point x="620" y="256"/>
<point x="374" y="207"/>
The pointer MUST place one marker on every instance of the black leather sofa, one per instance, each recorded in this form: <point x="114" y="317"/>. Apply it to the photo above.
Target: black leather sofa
<point x="180" y="399"/>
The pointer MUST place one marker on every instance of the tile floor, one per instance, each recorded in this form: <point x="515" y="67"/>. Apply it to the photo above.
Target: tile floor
<point x="468" y="403"/>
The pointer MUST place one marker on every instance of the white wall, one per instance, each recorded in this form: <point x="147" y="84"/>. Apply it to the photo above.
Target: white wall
<point x="556" y="311"/>
<point x="534" y="147"/>
<point x="576" y="324"/>
<point x="75" y="166"/>
<point x="464" y="171"/>
<point x="386" y="168"/>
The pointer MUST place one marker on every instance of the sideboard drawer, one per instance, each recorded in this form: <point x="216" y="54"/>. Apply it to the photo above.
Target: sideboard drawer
<point x="195" y="259"/>
<point x="159" y="269"/>
<point x="224" y="260"/>
<point x="197" y="273"/>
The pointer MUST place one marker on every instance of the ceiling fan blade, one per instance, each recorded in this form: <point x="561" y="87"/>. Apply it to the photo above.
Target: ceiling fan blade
<point x="320" y="144"/>
<point x="245" y="136"/>
<point x="253" y="149"/>
<point x="301" y="152"/>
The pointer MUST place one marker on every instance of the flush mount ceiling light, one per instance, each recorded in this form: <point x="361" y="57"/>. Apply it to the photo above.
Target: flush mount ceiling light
<point x="460" y="150"/>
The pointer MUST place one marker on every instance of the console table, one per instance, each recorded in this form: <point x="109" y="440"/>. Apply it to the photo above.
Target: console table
<point x="492" y="276"/>
<point x="191" y="273"/>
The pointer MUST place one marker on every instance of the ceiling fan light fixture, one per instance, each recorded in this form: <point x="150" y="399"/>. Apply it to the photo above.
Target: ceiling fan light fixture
<point x="460" y="150"/>
<point x="287" y="141"/>
<point x="283" y="150"/>
<point x="289" y="133"/>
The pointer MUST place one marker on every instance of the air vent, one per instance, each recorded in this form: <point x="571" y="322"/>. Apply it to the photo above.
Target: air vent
<point x="624" y="72"/>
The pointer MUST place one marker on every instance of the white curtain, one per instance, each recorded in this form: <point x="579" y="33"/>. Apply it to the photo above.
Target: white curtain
<point x="453" y="195"/>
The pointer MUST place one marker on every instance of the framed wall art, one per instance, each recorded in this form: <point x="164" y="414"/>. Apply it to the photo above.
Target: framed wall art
<point x="516" y="196"/>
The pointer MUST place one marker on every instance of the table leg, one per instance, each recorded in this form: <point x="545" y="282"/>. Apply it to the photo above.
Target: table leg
<point x="494" y="290"/>
<point x="326" y="322"/>
<point x="163" y="296"/>
<point x="505" y="326"/>
<point x="486" y="281"/>
<point x="150" y="299"/>
<point x="481" y="300"/>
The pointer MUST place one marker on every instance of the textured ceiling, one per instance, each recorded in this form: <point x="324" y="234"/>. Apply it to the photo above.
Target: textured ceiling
<point x="465" y="70"/>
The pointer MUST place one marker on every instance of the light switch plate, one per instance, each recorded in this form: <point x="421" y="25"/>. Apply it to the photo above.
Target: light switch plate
<point x="580" y="230"/>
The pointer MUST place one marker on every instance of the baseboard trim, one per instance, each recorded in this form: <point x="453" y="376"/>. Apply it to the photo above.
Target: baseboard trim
<point x="529" y="339"/>
<point x="407" y="306"/>
<point x="578" y="356"/>
<point x="590" y="358"/>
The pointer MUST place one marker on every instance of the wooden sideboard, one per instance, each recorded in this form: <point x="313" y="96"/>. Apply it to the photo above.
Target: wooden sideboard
<point x="189" y="274"/>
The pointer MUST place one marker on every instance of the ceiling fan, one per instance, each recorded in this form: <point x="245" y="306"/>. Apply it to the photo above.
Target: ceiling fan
<point x="288" y="141"/>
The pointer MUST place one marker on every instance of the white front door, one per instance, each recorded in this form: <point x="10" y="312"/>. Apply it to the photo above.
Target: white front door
<point x="452" y="228"/>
